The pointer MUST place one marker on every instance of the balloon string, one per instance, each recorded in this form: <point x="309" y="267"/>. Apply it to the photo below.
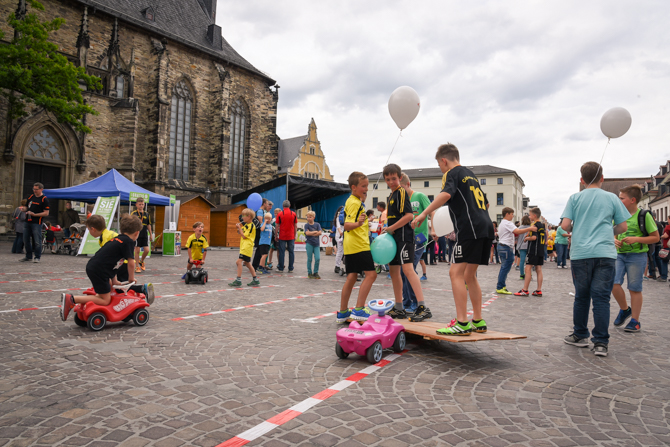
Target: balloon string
<point x="601" y="163"/>
<point x="387" y="160"/>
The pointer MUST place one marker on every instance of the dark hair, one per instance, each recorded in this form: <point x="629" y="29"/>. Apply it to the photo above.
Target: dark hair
<point x="525" y="220"/>
<point x="39" y="185"/>
<point x="97" y="222"/>
<point x="369" y="212"/>
<point x="448" y="151"/>
<point x="536" y="211"/>
<point x="130" y="224"/>
<point x="591" y="172"/>
<point x="633" y="191"/>
<point x="507" y="210"/>
<point x="392" y="169"/>
<point x="382" y="205"/>
<point x="337" y="213"/>
<point x="355" y="178"/>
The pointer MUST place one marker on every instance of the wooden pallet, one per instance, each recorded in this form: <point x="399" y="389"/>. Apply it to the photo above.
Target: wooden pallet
<point x="427" y="330"/>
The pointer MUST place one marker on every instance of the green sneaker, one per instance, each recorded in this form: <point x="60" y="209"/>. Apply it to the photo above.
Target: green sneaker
<point x="479" y="326"/>
<point x="503" y="291"/>
<point x="310" y="276"/>
<point x="254" y="282"/>
<point x="236" y="283"/>
<point x="457" y="329"/>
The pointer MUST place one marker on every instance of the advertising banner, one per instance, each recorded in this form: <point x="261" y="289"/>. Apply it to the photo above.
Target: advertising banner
<point x="105" y="207"/>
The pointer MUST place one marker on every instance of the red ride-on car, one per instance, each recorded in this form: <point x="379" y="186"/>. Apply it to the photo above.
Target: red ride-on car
<point x="126" y="305"/>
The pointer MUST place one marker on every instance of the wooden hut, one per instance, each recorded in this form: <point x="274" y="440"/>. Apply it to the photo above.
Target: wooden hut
<point x="191" y="209"/>
<point x="224" y="231"/>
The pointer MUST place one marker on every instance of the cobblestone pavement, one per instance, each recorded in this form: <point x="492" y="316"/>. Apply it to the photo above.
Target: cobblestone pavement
<point x="206" y="379"/>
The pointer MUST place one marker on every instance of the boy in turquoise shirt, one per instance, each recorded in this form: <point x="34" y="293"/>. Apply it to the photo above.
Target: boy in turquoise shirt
<point x="632" y="247"/>
<point x="589" y="215"/>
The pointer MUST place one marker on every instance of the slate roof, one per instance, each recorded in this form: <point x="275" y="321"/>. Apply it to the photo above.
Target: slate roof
<point x="289" y="150"/>
<point x="184" y="21"/>
<point x="614" y="185"/>
<point x="435" y="172"/>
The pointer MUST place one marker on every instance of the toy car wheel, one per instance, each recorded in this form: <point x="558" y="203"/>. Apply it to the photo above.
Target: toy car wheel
<point x="204" y="279"/>
<point x="78" y="321"/>
<point x="374" y="352"/>
<point x="187" y="279"/>
<point x="340" y="352"/>
<point x="141" y="317"/>
<point x="400" y="342"/>
<point x="96" y="321"/>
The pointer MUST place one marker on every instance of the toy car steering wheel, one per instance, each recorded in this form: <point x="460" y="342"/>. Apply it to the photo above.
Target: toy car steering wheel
<point x="381" y="306"/>
<point x="124" y="287"/>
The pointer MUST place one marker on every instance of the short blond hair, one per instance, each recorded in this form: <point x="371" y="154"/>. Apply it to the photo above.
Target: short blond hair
<point x="248" y="212"/>
<point x="310" y="214"/>
<point x="268" y="216"/>
<point x="197" y="224"/>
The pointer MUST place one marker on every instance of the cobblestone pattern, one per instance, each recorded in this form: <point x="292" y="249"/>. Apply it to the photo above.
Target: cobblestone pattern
<point x="202" y="381"/>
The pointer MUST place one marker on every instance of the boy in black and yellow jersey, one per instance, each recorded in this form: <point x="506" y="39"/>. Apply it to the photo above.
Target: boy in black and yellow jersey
<point x="400" y="215"/>
<point x="97" y="228"/>
<point x="247" y="230"/>
<point x="197" y="246"/>
<point x="356" y="247"/>
<point x="474" y="236"/>
<point x="144" y="239"/>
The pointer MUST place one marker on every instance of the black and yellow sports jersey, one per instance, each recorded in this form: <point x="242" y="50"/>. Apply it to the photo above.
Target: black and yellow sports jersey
<point x="399" y="205"/>
<point x="467" y="205"/>
<point x="146" y="220"/>
<point x="536" y="247"/>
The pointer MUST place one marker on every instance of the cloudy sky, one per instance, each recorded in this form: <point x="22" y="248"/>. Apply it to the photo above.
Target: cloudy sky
<point x="519" y="85"/>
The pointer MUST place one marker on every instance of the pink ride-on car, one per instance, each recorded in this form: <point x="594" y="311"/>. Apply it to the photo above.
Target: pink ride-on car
<point x="379" y="332"/>
<point x="125" y="306"/>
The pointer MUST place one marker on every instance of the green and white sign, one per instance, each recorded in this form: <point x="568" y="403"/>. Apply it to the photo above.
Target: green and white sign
<point x="133" y="196"/>
<point x="105" y="207"/>
<point x="173" y="199"/>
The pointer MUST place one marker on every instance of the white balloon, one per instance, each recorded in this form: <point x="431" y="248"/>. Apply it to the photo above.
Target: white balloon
<point x="615" y="122"/>
<point x="404" y="105"/>
<point x="442" y="223"/>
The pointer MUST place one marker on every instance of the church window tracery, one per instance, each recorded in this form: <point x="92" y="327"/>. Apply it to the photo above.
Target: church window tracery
<point x="44" y="145"/>
<point x="238" y="126"/>
<point x="180" y="132"/>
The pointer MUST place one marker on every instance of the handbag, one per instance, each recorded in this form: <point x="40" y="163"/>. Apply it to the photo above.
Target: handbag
<point x="663" y="253"/>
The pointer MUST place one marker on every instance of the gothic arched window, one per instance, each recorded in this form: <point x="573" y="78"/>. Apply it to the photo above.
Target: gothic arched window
<point x="44" y="145"/>
<point x="120" y="81"/>
<point x="238" y="126"/>
<point x="180" y="132"/>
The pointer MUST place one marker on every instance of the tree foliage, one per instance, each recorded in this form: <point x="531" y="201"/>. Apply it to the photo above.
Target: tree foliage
<point x="33" y="71"/>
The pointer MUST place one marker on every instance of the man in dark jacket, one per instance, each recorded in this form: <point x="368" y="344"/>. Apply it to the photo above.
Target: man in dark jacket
<point x="67" y="218"/>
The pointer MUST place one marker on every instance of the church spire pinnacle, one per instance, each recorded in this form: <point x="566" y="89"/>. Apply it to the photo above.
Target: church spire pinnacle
<point x="83" y="40"/>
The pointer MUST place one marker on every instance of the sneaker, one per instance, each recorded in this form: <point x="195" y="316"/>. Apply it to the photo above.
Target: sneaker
<point x="388" y="276"/>
<point x="263" y="271"/>
<point x="522" y="277"/>
<point x="573" y="340"/>
<point x="138" y="269"/>
<point x="424" y="278"/>
<point x="360" y="315"/>
<point x="632" y="326"/>
<point x="422" y="313"/>
<point x="148" y="291"/>
<point x="337" y="270"/>
<point x="184" y="275"/>
<point x="517" y="267"/>
<point x="522" y="293"/>
<point x="411" y="309"/>
<point x="479" y="326"/>
<point x="236" y="283"/>
<point x="290" y="271"/>
<point x="269" y="266"/>
<point x="36" y="260"/>
<point x="142" y="266"/>
<point x="25" y="260"/>
<point x="503" y="291"/>
<point x="600" y="349"/>
<point x="659" y="279"/>
<point x="397" y="314"/>
<point x="457" y="329"/>
<point x="67" y="303"/>
<point x="623" y="316"/>
<point x="537" y="293"/>
<point x="316" y="276"/>
<point x="310" y="276"/>
<point x="342" y="317"/>
<point x="254" y="282"/>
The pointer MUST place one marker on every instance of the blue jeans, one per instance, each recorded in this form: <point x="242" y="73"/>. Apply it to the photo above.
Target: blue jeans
<point x="661" y="264"/>
<point x="312" y="250"/>
<point x="522" y="260"/>
<point x="442" y="244"/>
<point x="632" y="266"/>
<point x="33" y="230"/>
<point x="18" y="243"/>
<point x="651" y="266"/>
<point x="561" y="252"/>
<point x="66" y="233"/>
<point x="507" y="259"/>
<point x="593" y="279"/>
<point x="408" y="297"/>
<point x="285" y="245"/>
<point x="450" y="245"/>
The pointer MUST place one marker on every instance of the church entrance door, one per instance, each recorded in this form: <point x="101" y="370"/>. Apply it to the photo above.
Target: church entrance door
<point x="49" y="176"/>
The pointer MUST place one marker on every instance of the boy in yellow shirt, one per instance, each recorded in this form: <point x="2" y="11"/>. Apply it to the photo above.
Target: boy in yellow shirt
<point x="356" y="245"/>
<point x="248" y="233"/>
<point x="197" y="246"/>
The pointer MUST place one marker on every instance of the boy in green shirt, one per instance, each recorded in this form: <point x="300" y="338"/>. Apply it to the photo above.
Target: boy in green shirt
<point x="632" y="247"/>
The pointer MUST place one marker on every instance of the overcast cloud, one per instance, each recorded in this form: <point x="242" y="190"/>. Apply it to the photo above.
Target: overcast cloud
<point x="519" y="85"/>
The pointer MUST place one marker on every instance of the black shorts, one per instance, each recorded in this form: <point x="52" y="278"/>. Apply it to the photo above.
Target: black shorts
<point x="359" y="262"/>
<point x="262" y="250"/>
<point x="99" y="281"/>
<point x="244" y="258"/>
<point x="516" y="253"/>
<point x="142" y="241"/>
<point x="472" y="251"/>
<point x="535" y="260"/>
<point x="404" y="254"/>
<point x="550" y="250"/>
<point x="122" y="273"/>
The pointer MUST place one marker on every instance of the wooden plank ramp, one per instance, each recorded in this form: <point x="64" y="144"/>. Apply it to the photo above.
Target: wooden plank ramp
<point x="427" y="329"/>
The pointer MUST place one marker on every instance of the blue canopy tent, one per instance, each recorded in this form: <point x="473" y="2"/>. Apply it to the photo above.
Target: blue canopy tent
<point x="110" y="184"/>
<point x="324" y="197"/>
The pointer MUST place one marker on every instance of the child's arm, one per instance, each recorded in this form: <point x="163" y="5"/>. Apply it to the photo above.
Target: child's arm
<point x="404" y="220"/>
<point x="204" y="255"/>
<point x="348" y="226"/>
<point x="189" y="256"/>
<point x="263" y="226"/>
<point x="440" y="200"/>
<point x="131" y="269"/>
<point x="651" y="239"/>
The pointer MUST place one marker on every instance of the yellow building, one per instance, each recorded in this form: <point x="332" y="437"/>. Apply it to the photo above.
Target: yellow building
<point x="303" y="156"/>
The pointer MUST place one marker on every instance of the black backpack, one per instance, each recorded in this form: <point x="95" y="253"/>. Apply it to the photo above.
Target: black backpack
<point x="641" y="222"/>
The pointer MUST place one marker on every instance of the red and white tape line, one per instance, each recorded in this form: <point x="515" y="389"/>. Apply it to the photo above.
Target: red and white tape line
<point x="300" y="408"/>
<point x="206" y="314"/>
<point x="28" y="308"/>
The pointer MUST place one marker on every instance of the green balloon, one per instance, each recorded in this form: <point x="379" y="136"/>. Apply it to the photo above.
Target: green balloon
<point x="383" y="249"/>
